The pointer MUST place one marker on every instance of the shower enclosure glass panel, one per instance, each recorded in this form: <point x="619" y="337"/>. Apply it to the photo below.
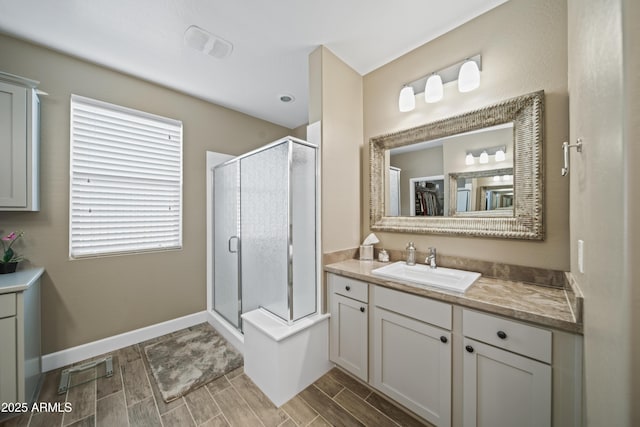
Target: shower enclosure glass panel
<point x="264" y="224"/>
<point x="226" y="292"/>
<point x="303" y="230"/>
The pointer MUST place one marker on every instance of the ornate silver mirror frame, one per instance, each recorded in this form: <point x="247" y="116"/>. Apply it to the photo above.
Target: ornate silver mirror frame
<point x="526" y="112"/>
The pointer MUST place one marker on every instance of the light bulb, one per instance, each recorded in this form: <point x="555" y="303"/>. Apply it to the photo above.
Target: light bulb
<point x="484" y="157"/>
<point x="469" y="160"/>
<point x="496" y="178"/>
<point x="433" y="90"/>
<point x="500" y="155"/>
<point x="407" y="99"/>
<point x="468" y="77"/>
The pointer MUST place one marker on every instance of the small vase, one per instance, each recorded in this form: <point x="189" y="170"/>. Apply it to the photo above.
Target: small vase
<point x="8" y="267"/>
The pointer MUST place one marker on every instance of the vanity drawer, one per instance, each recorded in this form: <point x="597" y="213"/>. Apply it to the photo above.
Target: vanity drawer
<point x="349" y="288"/>
<point x="510" y="335"/>
<point x="7" y="305"/>
<point x="424" y="309"/>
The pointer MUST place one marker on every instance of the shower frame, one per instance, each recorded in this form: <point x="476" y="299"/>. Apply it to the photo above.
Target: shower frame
<point x="290" y="290"/>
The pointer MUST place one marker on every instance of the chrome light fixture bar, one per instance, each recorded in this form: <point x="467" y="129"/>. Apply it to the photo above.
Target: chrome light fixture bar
<point x="432" y="84"/>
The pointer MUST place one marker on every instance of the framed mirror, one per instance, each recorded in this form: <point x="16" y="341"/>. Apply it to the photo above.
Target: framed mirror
<point x="475" y="174"/>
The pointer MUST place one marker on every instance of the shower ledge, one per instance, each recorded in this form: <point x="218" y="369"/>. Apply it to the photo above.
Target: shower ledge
<point x="276" y="328"/>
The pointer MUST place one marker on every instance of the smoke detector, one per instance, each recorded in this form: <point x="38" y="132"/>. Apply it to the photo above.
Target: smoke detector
<point x="207" y="43"/>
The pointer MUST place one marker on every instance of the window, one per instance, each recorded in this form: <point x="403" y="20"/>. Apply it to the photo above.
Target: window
<point x="126" y="180"/>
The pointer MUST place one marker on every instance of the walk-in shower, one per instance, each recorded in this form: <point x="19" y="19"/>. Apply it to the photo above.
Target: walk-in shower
<point x="263" y="267"/>
<point x="265" y="240"/>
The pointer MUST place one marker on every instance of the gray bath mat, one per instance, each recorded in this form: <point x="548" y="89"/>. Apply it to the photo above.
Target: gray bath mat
<point x="189" y="360"/>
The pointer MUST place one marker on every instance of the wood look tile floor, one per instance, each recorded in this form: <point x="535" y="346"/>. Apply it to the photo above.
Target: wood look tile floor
<point x="130" y="398"/>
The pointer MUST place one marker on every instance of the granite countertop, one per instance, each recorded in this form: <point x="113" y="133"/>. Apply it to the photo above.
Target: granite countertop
<point x="546" y="306"/>
<point x="20" y="280"/>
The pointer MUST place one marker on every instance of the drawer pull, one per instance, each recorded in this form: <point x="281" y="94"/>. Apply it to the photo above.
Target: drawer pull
<point x="362" y="309"/>
<point x="502" y="335"/>
<point x="347" y="288"/>
<point x="469" y="349"/>
<point x="444" y="339"/>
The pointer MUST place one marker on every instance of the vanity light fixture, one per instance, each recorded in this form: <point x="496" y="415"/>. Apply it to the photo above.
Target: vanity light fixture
<point x="407" y="100"/>
<point x="484" y="157"/>
<point x="468" y="77"/>
<point x="466" y="72"/>
<point x="433" y="90"/>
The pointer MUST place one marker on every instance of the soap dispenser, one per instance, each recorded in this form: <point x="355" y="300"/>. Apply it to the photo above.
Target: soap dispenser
<point x="411" y="254"/>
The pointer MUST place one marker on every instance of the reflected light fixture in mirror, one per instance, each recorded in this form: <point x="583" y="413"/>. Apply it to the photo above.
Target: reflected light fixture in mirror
<point x="407" y="100"/>
<point x="433" y="83"/>
<point x="484" y="158"/>
<point x="484" y="153"/>
<point x="469" y="160"/>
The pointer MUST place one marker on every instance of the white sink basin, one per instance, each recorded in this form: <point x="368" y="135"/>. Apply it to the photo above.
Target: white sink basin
<point x="445" y="278"/>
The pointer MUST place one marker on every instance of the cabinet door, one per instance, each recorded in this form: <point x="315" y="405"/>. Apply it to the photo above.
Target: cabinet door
<point x="13" y="146"/>
<point x="8" y="374"/>
<point x="412" y="364"/>
<point x="503" y="389"/>
<point x="349" y="335"/>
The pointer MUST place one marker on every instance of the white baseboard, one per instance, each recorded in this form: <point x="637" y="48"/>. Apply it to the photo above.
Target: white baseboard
<point x="71" y="355"/>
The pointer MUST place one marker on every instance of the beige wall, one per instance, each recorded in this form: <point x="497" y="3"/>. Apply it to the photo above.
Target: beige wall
<point x="416" y="164"/>
<point x="299" y="132"/>
<point x="524" y="49"/>
<point x="604" y="201"/>
<point x="86" y="300"/>
<point x="335" y="96"/>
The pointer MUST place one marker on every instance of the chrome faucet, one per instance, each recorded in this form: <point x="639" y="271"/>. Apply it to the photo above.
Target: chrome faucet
<point x="431" y="258"/>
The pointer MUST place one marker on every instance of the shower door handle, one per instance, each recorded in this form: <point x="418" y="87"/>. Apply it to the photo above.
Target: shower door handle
<point x="233" y="251"/>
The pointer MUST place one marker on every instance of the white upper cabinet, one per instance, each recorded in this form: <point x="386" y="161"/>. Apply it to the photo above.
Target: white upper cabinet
<point x="19" y="143"/>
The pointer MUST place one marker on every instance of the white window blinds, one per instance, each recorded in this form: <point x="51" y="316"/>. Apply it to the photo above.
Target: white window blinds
<point x="126" y="180"/>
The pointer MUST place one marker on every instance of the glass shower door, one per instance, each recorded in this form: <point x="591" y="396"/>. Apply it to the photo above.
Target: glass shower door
<point x="226" y="289"/>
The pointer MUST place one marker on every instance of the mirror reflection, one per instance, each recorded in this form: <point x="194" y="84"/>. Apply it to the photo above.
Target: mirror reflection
<point x="467" y="173"/>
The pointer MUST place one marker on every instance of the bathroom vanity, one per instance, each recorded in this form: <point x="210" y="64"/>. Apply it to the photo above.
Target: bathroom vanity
<point x="503" y="353"/>
<point x="20" y="365"/>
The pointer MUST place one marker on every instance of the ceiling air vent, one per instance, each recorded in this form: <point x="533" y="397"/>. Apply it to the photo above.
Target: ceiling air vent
<point x="207" y="43"/>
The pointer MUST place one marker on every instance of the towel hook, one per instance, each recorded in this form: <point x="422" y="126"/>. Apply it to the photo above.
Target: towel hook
<point x="565" y="153"/>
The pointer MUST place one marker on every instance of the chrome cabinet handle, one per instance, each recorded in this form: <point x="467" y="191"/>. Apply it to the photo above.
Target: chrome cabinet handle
<point x="565" y="154"/>
<point x="233" y="251"/>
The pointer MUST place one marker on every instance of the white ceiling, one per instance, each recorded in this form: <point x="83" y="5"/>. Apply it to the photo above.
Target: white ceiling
<point x="271" y="41"/>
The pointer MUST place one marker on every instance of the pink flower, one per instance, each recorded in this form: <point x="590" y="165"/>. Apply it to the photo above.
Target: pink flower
<point x="9" y="237"/>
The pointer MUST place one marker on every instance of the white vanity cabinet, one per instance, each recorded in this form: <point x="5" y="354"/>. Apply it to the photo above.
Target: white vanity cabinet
<point x="19" y="144"/>
<point x="452" y="365"/>
<point x="349" y="342"/>
<point x="20" y="363"/>
<point x="506" y="372"/>
<point x="8" y="378"/>
<point x="411" y="344"/>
